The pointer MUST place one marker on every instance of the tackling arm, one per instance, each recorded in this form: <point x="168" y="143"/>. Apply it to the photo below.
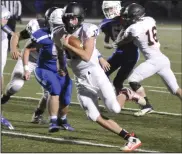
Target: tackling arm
<point x="123" y="38"/>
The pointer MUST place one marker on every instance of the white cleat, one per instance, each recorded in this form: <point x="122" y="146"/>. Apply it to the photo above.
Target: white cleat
<point x="132" y="144"/>
<point x="142" y="112"/>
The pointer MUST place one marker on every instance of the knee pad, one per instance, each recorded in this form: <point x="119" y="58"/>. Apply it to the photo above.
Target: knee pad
<point x="134" y="85"/>
<point x="14" y="87"/>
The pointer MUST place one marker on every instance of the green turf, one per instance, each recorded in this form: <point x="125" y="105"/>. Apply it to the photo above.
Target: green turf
<point x="157" y="132"/>
<point x="154" y="130"/>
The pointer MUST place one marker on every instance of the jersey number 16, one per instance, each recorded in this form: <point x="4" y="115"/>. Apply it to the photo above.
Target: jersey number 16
<point x="152" y="36"/>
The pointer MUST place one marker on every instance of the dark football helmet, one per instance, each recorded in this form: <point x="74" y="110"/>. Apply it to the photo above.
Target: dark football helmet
<point x="72" y="10"/>
<point x="133" y="13"/>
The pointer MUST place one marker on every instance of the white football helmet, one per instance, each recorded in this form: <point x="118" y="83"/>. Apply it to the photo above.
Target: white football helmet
<point x="56" y="16"/>
<point x="111" y="9"/>
<point x="5" y="14"/>
<point x="32" y="26"/>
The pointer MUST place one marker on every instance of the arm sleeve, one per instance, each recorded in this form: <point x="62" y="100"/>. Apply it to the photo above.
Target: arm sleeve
<point x="6" y="29"/>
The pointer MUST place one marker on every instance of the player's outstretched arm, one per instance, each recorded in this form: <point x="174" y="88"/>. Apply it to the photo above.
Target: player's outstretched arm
<point x="15" y="53"/>
<point x="25" y="59"/>
<point x="123" y="38"/>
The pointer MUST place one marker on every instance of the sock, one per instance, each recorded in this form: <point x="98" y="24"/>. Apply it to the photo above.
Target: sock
<point x="147" y="102"/>
<point x="124" y="134"/>
<point x="38" y="111"/>
<point x="63" y="117"/>
<point x="54" y="117"/>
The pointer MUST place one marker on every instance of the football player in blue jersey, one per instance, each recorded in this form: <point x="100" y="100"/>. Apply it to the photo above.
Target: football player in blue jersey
<point x="19" y="72"/>
<point x="56" y="81"/>
<point x="125" y="56"/>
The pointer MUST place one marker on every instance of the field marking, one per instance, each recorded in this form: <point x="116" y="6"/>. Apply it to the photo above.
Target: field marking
<point x="102" y="106"/>
<point x="155" y="87"/>
<point x="165" y="92"/>
<point x="175" y="62"/>
<point x="79" y="142"/>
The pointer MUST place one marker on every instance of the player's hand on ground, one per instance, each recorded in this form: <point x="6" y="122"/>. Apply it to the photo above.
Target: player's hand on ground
<point x="26" y="75"/>
<point x="15" y="54"/>
<point x="104" y="64"/>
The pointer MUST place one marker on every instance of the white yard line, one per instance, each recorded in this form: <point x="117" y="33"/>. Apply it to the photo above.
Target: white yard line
<point x="159" y="91"/>
<point x="79" y="142"/>
<point x="175" y="62"/>
<point x="102" y="106"/>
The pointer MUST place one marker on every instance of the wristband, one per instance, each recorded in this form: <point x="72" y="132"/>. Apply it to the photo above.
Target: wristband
<point x="26" y="67"/>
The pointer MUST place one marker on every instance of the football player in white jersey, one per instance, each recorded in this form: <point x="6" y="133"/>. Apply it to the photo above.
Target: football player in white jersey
<point x="142" y="30"/>
<point x="22" y="72"/>
<point x="90" y="78"/>
<point x="5" y="30"/>
<point x="5" y="15"/>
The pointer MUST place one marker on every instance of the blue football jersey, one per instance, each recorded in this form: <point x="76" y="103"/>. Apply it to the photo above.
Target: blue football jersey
<point x="47" y="54"/>
<point x="111" y="27"/>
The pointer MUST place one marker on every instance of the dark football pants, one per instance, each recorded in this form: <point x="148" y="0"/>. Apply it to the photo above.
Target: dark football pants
<point x="125" y="62"/>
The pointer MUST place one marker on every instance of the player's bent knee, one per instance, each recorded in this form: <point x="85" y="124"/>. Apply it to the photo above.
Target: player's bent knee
<point x="114" y="106"/>
<point x="93" y="117"/>
<point x="15" y="87"/>
<point x="135" y="85"/>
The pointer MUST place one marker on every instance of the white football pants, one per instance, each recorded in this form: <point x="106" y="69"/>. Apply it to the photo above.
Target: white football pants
<point x="4" y="52"/>
<point x="161" y="66"/>
<point x="92" y="84"/>
<point x="17" y="81"/>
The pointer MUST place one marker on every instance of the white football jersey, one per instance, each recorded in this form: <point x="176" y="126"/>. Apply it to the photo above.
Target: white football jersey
<point x="145" y="34"/>
<point x="86" y="31"/>
<point x="5" y="14"/>
<point x="32" y="27"/>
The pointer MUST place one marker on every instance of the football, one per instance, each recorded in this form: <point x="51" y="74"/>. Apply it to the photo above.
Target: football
<point x="75" y="42"/>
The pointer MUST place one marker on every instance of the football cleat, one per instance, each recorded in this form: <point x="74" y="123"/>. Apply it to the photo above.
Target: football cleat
<point x="144" y="111"/>
<point x="38" y="119"/>
<point x="132" y="144"/>
<point x="4" y="99"/>
<point x="65" y="125"/>
<point x="6" y="123"/>
<point x="53" y="126"/>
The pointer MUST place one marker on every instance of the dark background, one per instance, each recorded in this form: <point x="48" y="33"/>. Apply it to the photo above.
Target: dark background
<point x="168" y="9"/>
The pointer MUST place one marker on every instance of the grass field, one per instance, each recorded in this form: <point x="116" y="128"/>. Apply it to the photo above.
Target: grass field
<point x="159" y="133"/>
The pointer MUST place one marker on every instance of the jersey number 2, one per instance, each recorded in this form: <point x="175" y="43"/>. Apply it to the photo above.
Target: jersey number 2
<point x="153" y="34"/>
